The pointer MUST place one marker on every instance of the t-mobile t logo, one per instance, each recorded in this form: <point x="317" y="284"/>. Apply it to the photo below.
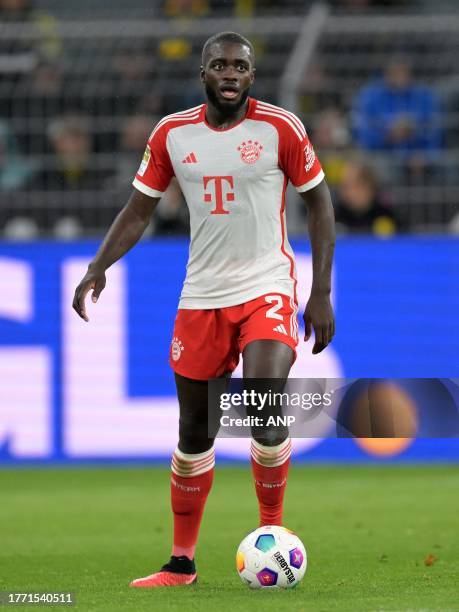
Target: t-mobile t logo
<point x="218" y="196"/>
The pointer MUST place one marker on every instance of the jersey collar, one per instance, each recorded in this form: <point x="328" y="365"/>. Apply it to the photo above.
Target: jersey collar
<point x="250" y="108"/>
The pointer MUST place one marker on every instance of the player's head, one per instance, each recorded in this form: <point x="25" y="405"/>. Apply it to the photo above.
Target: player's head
<point x="227" y="70"/>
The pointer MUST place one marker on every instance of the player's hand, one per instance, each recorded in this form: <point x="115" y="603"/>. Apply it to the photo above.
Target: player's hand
<point x="93" y="279"/>
<point x="319" y="315"/>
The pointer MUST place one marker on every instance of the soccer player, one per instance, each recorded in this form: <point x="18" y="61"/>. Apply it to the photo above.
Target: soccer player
<point x="233" y="158"/>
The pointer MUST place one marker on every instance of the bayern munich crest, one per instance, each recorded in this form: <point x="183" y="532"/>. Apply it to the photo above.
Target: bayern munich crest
<point x="250" y="151"/>
<point x="176" y="349"/>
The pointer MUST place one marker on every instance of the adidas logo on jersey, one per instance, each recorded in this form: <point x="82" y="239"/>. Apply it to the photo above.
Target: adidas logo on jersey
<point x="190" y="159"/>
<point x="281" y="329"/>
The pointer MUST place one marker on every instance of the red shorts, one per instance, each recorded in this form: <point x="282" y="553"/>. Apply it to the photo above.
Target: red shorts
<point x="208" y="343"/>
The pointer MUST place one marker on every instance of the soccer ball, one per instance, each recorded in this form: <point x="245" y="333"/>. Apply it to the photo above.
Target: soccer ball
<point x="271" y="557"/>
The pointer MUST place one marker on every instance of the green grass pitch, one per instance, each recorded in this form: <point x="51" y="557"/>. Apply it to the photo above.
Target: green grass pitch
<point x="367" y="531"/>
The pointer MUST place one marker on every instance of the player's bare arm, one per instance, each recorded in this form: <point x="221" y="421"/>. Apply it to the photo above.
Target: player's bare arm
<point x="125" y="231"/>
<point x="318" y="314"/>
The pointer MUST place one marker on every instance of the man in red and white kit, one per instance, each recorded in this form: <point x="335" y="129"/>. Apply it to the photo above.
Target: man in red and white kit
<point x="233" y="158"/>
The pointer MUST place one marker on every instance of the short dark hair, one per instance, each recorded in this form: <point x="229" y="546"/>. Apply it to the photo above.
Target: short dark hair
<point x="230" y="37"/>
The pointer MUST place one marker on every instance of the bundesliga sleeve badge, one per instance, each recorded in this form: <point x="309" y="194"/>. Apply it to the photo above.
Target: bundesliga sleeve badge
<point x="145" y="160"/>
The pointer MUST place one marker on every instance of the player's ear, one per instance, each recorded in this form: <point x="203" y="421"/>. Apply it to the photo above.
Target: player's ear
<point x="252" y="75"/>
<point x="202" y="74"/>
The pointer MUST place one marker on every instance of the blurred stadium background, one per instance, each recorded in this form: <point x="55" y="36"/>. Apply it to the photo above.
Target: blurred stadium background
<point x="83" y="83"/>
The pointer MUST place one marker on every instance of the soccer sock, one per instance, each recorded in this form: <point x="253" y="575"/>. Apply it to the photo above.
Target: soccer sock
<point x="191" y="481"/>
<point x="270" y="469"/>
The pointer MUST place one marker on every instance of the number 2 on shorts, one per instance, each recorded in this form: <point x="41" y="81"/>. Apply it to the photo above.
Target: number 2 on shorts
<point x="271" y="313"/>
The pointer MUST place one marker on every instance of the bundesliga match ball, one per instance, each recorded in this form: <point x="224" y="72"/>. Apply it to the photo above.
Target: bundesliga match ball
<point x="271" y="557"/>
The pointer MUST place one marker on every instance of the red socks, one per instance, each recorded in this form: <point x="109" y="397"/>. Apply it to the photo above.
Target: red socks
<point x="270" y="469"/>
<point x="191" y="481"/>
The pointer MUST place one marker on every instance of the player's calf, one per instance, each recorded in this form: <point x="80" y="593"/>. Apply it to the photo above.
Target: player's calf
<point x="270" y="469"/>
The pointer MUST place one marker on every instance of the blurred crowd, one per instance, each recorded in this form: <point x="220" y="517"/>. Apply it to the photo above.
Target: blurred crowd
<point x="68" y="151"/>
<point x="392" y="135"/>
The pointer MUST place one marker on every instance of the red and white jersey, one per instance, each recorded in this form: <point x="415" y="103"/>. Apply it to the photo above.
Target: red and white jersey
<point x="234" y="182"/>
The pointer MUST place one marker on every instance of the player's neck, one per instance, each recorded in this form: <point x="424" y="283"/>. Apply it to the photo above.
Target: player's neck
<point x="223" y="121"/>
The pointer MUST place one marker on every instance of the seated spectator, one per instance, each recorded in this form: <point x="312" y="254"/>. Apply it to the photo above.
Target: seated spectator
<point x="318" y="89"/>
<point x="42" y="94"/>
<point x="171" y="216"/>
<point x="71" y="167"/>
<point x="134" y="134"/>
<point x="331" y="138"/>
<point x="358" y="205"/>
<point x="15" y="170"/>
<point x="15" y="11"/>
<point x="71" y="181"/>
<point x="152" y="103"/>
<point x="185" y="9"/>
<point x="176" y="49"/>
<point x="397" y="115"/>
<point x="19" y="54"/>
<point x="133" y="67"/>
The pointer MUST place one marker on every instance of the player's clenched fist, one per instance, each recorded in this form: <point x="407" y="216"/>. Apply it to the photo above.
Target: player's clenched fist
<point x="93" y="279"/>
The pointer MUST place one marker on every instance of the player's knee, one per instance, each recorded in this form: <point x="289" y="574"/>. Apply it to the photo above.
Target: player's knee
<point x="270" y="436"/>
<point x="194" y="447"/>
<point x="193" y="437"/>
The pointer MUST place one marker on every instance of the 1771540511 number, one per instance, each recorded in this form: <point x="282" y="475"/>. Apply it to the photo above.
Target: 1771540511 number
<point x="11" y="598"/>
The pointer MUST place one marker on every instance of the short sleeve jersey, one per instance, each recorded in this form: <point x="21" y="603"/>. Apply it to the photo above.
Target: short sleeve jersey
<point x="234" y="182"/>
